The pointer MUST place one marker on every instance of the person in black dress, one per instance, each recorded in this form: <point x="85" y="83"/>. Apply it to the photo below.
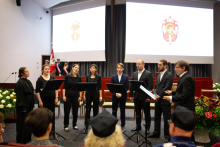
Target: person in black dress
<point x="24" y="104"/>
<point x="93" y="96"/>
<point x="46" y="99"/>
<point x="71" y="96"/>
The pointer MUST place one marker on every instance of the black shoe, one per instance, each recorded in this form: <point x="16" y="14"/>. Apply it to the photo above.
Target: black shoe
<point x="66" y="129"/>
<point x="123" y="129"/>
<point x="86" y="131"/>
<point x="136" y="129"/>
<point x="154" y="135"/>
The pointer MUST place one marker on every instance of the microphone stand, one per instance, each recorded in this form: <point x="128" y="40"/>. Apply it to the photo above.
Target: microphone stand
<point x="8" y="77"/>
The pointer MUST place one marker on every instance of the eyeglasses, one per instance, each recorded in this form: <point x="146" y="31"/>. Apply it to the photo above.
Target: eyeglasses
<point x="177" y="67"/>
<point x="159" y="65"/>
<point x="169" y="122"/>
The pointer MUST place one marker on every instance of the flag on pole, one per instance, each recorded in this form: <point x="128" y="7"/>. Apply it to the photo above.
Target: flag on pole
<point x="52" y="64"/>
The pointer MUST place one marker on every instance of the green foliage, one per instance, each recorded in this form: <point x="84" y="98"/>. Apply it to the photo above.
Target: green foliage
<point x="7" y="101"/>
<point x="208" y="114"/>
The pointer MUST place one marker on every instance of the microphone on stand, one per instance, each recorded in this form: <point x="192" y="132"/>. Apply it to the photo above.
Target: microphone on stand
<point x="8" y="77"/>
<point x="15" y="76"/>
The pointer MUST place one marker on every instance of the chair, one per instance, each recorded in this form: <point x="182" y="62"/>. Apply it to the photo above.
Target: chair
<point x="58" y="104"/>
<point x="209" y="91"/>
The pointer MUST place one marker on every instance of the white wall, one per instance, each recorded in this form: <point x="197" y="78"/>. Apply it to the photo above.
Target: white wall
<point x="23" y="38"/>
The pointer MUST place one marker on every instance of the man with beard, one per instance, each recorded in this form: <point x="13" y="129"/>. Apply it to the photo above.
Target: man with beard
<point x="164" y="82"/>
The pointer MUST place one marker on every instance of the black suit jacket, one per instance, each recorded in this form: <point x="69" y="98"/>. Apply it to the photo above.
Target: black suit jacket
<point x="147" y="78"/>
<point x="124" y="81"/>
<point x="60" y="67"/>
<point x="163" y="85"/>
<point x="184" y="95"/>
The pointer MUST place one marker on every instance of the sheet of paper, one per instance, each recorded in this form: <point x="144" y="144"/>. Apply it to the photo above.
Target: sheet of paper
<point x="148" y="92"/>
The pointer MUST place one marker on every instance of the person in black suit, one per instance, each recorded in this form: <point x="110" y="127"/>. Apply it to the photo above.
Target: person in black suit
<point x="184" y="95"/>
<point x="58" y="68"/>
<point x="144" y="99"/>
<point x="164" y="82"/>
<point x="120" y="78"/>
<point x="66" y="69"/>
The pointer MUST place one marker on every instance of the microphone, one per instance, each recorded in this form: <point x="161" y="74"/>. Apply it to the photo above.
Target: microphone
<point x="15" y="76"/>
<point x="8" y="77"/>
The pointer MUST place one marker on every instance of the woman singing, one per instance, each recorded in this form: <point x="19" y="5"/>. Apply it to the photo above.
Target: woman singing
<point x="71" y="96"/>
<point x="93" y="96"/>
<point x="24" y="104"/>
<point x="46" y="99"/>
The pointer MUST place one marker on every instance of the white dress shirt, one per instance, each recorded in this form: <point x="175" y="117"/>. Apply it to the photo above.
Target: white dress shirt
<point x="161" y="74"/>
<point x="119" y="79"/>
<point x="140" y="73"/>
<point x="180" y="77"/>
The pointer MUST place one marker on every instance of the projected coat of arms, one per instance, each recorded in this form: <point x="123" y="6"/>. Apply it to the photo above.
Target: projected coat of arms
<point x="75" y="27"/>
<point x="170" y="30"/>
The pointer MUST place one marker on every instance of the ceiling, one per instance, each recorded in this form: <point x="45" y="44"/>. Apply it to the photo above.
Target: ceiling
<point x="52" y="3"/>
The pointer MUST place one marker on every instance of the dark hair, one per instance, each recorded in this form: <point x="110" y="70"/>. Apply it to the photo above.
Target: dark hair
<point x="120" y="64"/>
<point x="44" y="66"/>
<point x="165" y="62"/>
<point x="96" y="67"/>
<point x="21" y="71"/>
<point x="71" y="73"/>
<point x="38" y="121"/>
<point x="182" y="64"/>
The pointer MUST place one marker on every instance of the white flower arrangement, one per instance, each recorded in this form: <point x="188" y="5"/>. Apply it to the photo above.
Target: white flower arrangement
<point x="7" y="101"/>
<point x="8" y="106"/>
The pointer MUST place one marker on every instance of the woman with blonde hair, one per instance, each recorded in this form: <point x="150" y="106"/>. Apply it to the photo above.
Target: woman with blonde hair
<point x="105" y="132"/>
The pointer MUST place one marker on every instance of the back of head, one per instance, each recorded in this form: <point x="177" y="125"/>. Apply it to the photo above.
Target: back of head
<point x="104" y="132"/>
<point x="183" y="122"/>
<point x="38" y="121"/>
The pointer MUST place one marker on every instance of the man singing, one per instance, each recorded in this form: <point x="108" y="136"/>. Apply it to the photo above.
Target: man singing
<point x="164" y="82"/>
<point x="143" y="98"/>
<point x="120" y="78"/>
<point x="184" y="95"/>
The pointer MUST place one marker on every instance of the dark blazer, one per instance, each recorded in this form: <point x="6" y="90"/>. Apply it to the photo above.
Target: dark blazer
<point x="163" y="85"/>
<point x="60" y="66"/>
<point x="63" y="72"/>
<point x="184" y="95"/>
<point x="124" y="81"/>
<point x="147" y="78"/>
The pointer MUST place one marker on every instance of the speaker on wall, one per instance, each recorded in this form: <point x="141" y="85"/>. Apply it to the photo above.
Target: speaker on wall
<point x="18" y="2"/>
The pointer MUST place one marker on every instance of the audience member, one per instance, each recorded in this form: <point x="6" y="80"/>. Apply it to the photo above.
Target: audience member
<point x="39" y="122"/>
<point x="182" y="124"/>
<point x="2" y="131"/>
<point x="105" y="132"/>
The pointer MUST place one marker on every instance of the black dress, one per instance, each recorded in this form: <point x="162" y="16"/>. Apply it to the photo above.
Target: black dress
<point x="72" y="95"/>
<point x="47" y="97"/>
<point x="25" y="102"/>
<point x="93" y="96"/>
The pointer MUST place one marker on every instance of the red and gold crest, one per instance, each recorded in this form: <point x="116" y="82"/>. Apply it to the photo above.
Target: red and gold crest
<point x="75" y="27"/>
<point x="170" y="30"/>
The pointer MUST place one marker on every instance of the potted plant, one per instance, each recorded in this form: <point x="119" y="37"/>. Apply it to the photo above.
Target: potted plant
<point x="208" y="117"/>
<point x="7" y="101"/>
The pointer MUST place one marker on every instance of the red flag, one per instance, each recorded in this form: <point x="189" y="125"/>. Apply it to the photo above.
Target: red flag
<point x="52" y="62"/>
